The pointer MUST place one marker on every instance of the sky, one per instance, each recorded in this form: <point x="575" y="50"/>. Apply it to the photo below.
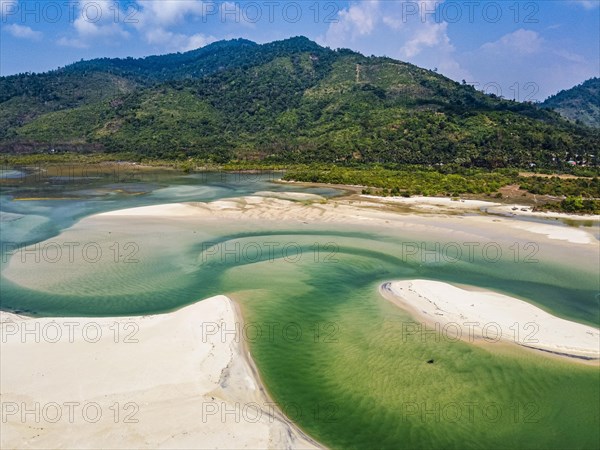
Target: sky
<point x="523" y="50"/>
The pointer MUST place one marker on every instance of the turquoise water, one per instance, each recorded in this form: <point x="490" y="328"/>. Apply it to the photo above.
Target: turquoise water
<point x="338" y="360"/>
<point x="80" y="193"/>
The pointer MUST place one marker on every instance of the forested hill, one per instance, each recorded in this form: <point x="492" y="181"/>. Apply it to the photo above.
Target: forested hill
<point x="291" y="101"/>
<point x="581" y="103"/>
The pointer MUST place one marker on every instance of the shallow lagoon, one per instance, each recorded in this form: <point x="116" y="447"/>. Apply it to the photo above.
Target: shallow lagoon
<point x="335" y="355"/>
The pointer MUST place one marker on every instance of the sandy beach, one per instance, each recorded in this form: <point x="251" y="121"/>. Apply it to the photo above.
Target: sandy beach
<point x="163" y="381"/>
<point x="441" y="204"/>
<point x="493" y="317"/>
<point x="313" y="208"/>
<point x="526" y="211"/>
<point x="434" y="203"/>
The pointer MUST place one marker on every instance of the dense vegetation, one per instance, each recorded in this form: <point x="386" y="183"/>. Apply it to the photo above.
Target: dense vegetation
<point x="582" y="187"/>
<point x="289" y="102"/>
<point x="581" y="103"/>
<point x="405" y="181"/>
<point x="448" y="181"/>
<point x="576" y="205"/>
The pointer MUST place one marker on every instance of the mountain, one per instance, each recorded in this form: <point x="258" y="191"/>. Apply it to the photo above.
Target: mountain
<point x="290" y="100"/>
<point x="581" y="103"/>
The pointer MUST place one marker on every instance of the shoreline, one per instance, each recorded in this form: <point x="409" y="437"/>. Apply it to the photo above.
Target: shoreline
<point x="486" y="317"/>
<point x="358" y="210"/>
<point x="487" y="205"/>
<point x="484" y="206"/>
<point x="177" y="367"/>
<point x="247" y="355"/>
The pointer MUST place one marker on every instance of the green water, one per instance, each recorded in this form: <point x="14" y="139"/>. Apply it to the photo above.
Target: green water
<point x="336" y="356"/>
<point x="357" y="379"/>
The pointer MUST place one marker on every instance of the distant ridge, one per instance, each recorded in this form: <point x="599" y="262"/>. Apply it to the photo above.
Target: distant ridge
<point x="580" y="103"/>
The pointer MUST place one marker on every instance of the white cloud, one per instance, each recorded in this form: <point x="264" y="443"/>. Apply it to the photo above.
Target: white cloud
<point x="359" y="19"/>
<point x="177" y="42"/>
<point x="405" y="30"/>
<point x="407" y="14"/>
<point x="98" y="12"/>
<point x="90" y="30"/>
<point x="232" y="13"/>
<point x="23" y="32"/>
<point x="526" y="66"/>
<point x="156" y="18"/>
<point x="429" y="35"/>
<point x="451" y="68"/>
<point x="362" y="17"/>
<point x="166" y="13"/>
<point x="426" y="42"/>
<point x="520" y="42"/>
<point x="570" y="56"/>
<point x="196" y="41"/>
<point x="97" y="20"/>
<point x="429" y="46"/>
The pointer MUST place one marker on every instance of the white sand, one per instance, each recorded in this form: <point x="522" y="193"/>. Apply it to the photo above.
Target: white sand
<point x="433" y="203"/>
<point x="442" y="203"/>
<point x="508" y="210"/>
<point x="556" y="231"/>
<point x="178" y="385"/>
<point x="493" y="317"/>
<point x="298" y="196"/>
<point x="167" y="210"/>
<point x="561" y="233"/>
<point x="270" y="207"/>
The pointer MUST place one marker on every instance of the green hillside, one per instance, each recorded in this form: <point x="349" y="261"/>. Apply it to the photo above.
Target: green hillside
<point x="581" y="103"/>
<point x="288" y="101"/>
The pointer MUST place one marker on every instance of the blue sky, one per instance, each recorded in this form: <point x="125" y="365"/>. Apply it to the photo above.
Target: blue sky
<point x="525" y="50"/>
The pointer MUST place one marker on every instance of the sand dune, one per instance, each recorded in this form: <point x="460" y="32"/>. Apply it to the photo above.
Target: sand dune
<point x="162" y="381"/>
<point x="493" y="317"/>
